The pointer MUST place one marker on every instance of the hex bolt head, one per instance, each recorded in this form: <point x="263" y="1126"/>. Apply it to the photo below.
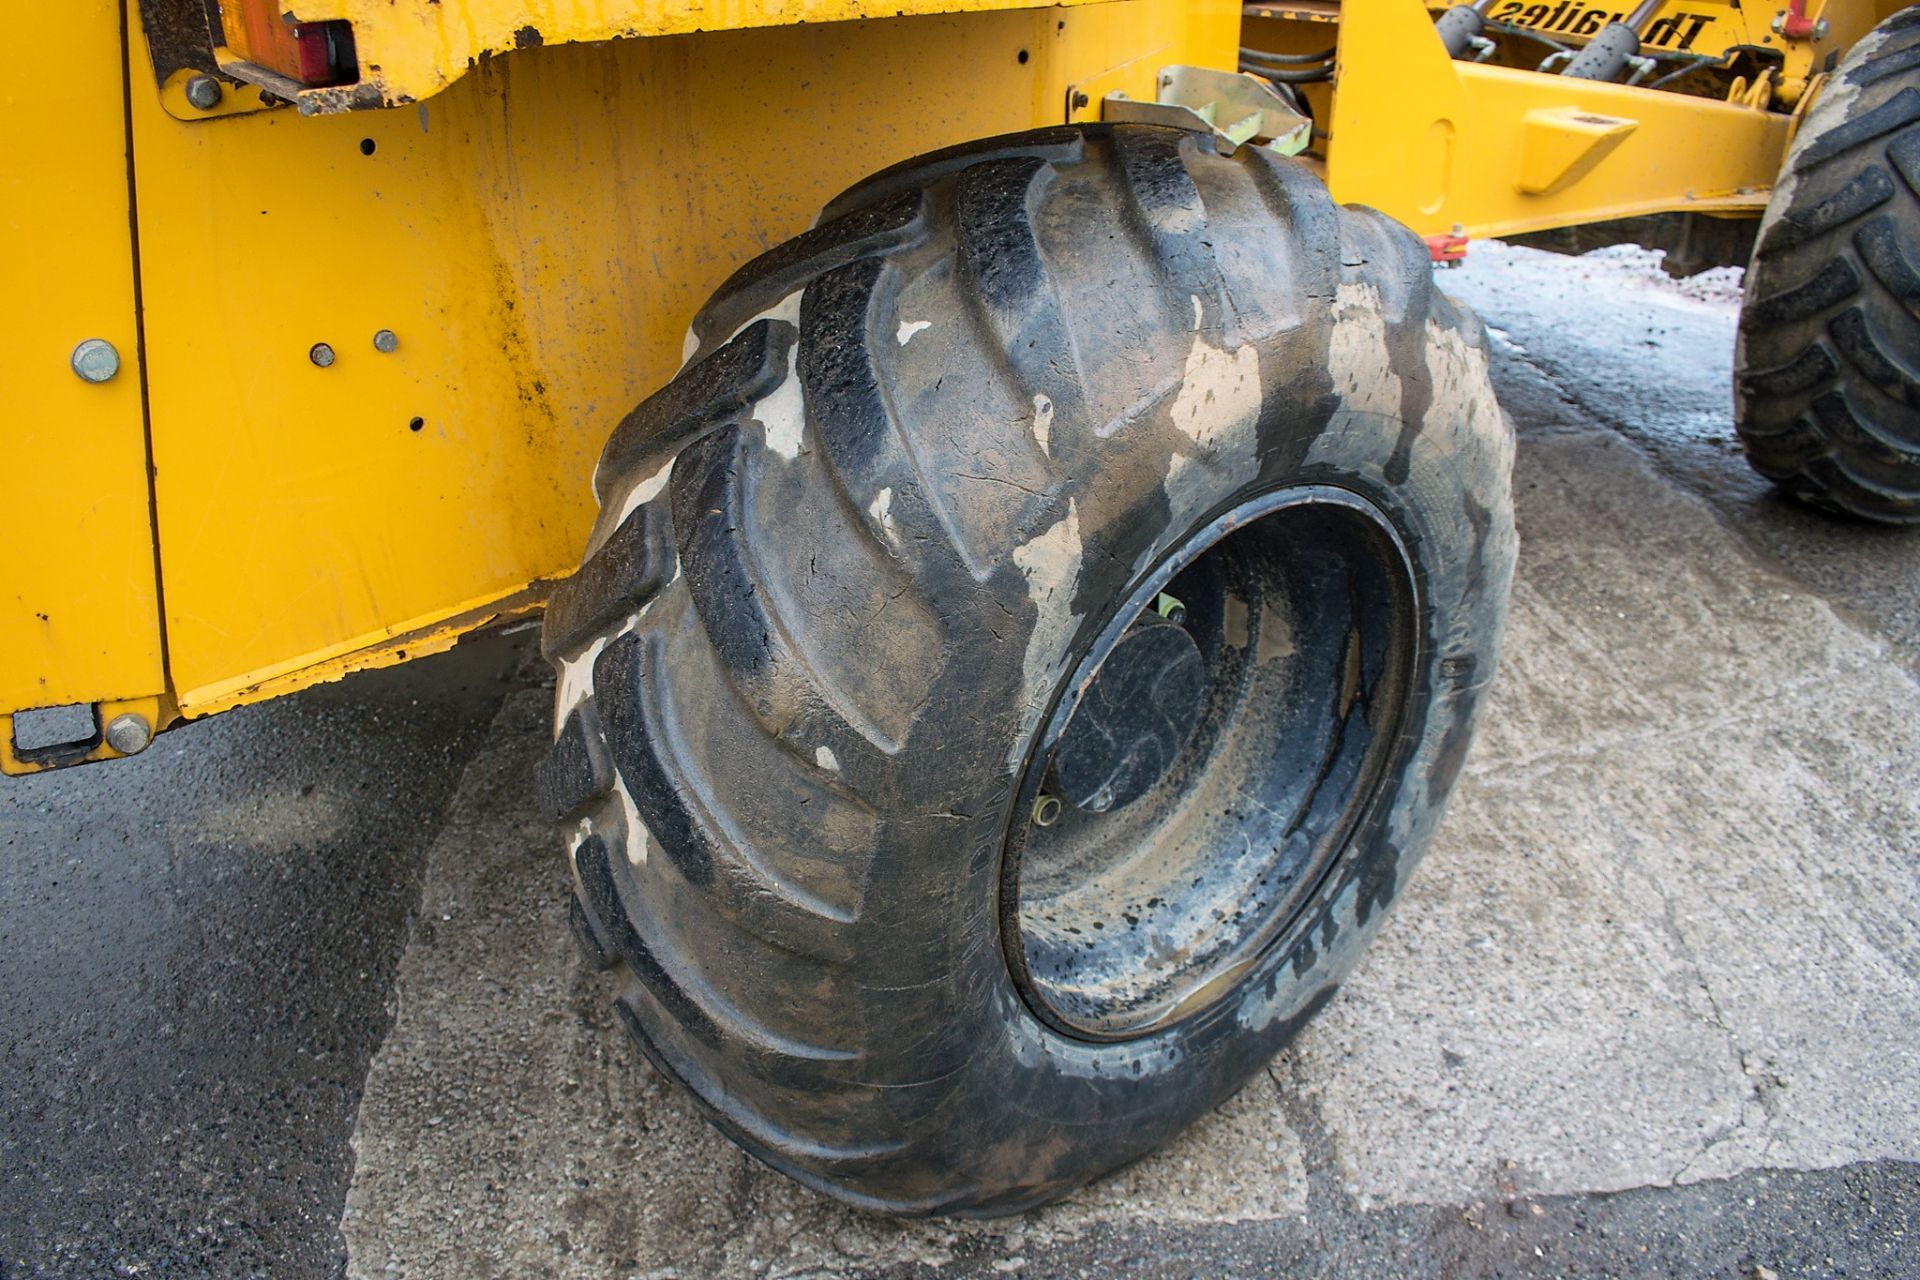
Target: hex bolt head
<point x="204" y="92"/>
<point x="96" y="360"/>
<point x="129" y="734"/>
<point x="386" y="342"/>
<point x="321" y="354"/>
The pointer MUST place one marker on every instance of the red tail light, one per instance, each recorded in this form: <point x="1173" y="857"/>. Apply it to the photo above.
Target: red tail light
<point x="309" y="53"/>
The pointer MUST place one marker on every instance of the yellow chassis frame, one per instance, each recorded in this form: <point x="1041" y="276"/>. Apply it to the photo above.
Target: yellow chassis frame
<point x="261" y="497"/>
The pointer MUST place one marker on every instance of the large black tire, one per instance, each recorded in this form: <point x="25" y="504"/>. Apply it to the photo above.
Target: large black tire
<point x="925" y="460"/>
<point x="1827" y="384"/>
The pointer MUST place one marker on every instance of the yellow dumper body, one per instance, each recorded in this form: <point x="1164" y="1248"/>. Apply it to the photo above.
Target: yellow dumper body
<point x="304" y="378"/>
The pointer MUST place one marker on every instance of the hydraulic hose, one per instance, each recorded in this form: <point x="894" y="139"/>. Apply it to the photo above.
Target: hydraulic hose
<point x="1292" y="59"/>
<point x="1263" y="64"/>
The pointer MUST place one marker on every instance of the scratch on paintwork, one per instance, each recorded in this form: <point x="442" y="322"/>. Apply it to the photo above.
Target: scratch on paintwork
<point x="881" y="509"/>
<point x="1457" y="375"/>
<point x="782" y="412"/>
<point x="1051" y="563"/>
<point x="1217" y="408"/>
<point x="1043" y="423"/>
<point x="574" y="686"/>
<point x="1357" y="355"/>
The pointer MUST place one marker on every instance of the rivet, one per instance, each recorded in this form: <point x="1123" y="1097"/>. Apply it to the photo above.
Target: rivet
<point x="322" y="355"/>
<point x="96" y="360"/>
<point x="386" y="342"/>
<point x="129" y="734"/>
<point x="204" y="92"/>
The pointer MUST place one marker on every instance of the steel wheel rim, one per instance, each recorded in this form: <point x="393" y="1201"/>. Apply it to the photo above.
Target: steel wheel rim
<point x="1161" y="917"/>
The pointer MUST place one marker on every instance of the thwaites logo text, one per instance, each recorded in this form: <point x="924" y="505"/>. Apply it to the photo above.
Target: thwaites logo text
<point x="1675" y="33"/>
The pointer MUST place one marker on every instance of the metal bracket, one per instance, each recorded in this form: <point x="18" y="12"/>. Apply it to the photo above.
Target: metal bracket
<point x="1234" y="108"/>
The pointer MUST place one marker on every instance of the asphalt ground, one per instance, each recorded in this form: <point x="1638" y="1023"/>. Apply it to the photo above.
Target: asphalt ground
<point x="197" y="955"/>
<point x="1649" y="1007"/>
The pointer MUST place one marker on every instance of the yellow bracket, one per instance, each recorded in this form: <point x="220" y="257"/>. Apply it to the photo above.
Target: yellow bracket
<point x="235" y="97"/>
<point x="1494" y="150"/>
<point x="128" y="723"/>
<point x="1561" y="145"/>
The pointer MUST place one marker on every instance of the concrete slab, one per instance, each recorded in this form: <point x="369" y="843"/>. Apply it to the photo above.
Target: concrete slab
<point x="1669" y="930"/>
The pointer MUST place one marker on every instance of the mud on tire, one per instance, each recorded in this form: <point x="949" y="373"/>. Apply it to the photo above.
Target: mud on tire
<point x="1827" y="388"/>
<point x="860" y="559"/>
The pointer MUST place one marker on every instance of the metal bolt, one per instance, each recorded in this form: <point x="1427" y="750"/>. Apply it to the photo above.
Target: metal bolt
<point x="1046" y="810"/>
<point x="386" y="342"/>
<point x="1820" y="29"/>
<point x="1779" y="22"/>
<point x="204" y="92"/>
<point x="129" y="734"/>
<point x="1102" y="801"/>
<point x="96" y="360"/>
<point x="322" y="355"/>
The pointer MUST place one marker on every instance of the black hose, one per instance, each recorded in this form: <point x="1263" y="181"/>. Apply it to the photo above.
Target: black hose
<point x="1251" y="63"/>
<point x="1318" y="75"/>
<point x="1508" y="29"/>
<point x="1325" y="55"/>
<point x="1689" y="69"/>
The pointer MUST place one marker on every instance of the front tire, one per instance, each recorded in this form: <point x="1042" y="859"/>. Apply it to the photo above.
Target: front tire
<point x="870" y="570"/>
<point x="1827" y="388"/>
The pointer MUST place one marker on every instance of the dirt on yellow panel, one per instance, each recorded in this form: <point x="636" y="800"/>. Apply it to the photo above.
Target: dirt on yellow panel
<point x="535" y="240"/>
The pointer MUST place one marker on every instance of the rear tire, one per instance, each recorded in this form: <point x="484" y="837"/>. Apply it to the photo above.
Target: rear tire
<point x="927" y="465"/>
<point x="1827" y="388"/>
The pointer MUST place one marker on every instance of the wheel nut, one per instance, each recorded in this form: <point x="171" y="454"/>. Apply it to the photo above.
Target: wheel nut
<point x="204" y="92"/>
<point x="129" y="734"/>
<point x="1046" y="810"/>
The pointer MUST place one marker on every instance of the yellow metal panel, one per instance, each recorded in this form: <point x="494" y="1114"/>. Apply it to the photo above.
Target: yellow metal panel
<point x="79" y="622"/>
<point x="412" y="49"/>
<point x="1400" y="99"/>
<point x="537" y="239"/>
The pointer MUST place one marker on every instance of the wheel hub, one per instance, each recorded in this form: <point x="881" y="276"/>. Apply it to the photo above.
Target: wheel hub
<point x="1134" y="719"/>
